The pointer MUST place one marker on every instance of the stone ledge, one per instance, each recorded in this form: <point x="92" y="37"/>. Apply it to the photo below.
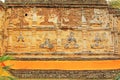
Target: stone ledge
<point x="64" y="59"/>
<point x="63" y="56"/>
<point x="65" y="74"/>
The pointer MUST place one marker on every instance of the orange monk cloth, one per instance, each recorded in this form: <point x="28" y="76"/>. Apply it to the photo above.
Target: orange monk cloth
<point x="66" y="65"/>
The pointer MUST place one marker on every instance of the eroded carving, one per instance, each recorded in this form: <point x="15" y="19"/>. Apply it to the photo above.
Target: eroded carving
<point x="97" y="42"/>
<point x="63" y="38"/>
<point x="47" y="44"/>
<point x="71" y="41"/>
<point x="95" y="17"/>
<point x="20" y="37"/>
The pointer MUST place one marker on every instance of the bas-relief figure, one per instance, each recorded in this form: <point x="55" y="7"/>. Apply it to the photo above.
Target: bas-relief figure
<point x="105" y="19"/>
<point x="46" y="14"/>
<point x="22" y="41"/>
<point x="20" y="37"/>
<point x="97" y="42"/>
<point x="53" y="18"/>
<point x="47" y="44"/>
<point x="16" y="18"/>
<point x="100" y="18"/>
<point x="31" y="16"/>
<point x="70" y="19"/>
<point x="95" y="17"/>
<point x="71" y="41"/>
<point x="100" y="41"/>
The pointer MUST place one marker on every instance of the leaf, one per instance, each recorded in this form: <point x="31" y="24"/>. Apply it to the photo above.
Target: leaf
<point x="11" y="78"/>
<point x="7" y="78"/>
<point x="2" y="78"/>
<point x="6" y="67"/>
<point x="5" y="58"/>
<point x="117" y="77"/>
<point x="115" y="3"/>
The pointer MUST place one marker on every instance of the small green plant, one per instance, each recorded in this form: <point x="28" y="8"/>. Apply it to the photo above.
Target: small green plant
<point x="115" y="3"/>
<point x="5" y="58"/>
<point x="7" y="78"/>
<point x="4" y="73"/>
<point x="117" y="77"/>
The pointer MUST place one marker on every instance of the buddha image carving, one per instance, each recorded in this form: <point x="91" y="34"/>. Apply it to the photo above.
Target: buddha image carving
<point x="20" y="38"/>
<point x="71" y="41"/>
<point x="47" y="44"/>
<point x="97" y="42"/>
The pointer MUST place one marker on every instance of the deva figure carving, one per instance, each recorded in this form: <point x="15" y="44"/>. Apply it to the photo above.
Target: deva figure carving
<point x="71" y="41"/>
<point x="20" y="37"/>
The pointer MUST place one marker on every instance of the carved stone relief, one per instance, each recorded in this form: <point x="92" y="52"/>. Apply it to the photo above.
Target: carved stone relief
<point x="47" y="44"/>
<point x="97" y="42"/>
<point x="71" y="41"/>
<point x="20" y="37"/>
<point x="95" y="17"/>
<point x="100" y="40"/>
<point x="46" y="15"/>
<point x="46" y="39"/>
<point x="66" y="40"/>
<point x="34" y="14"/>
<point x="100" y="18"/>
<point x="70" y="19"/>
<point x="16" y="17"/>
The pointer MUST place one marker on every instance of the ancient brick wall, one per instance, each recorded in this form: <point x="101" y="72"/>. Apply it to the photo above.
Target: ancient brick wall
<point x="119" y="35"/>
<point x="2" y="28"/>
<point x="70" y="30"/>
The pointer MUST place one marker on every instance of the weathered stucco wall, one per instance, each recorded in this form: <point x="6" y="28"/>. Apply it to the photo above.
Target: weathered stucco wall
<point x="75" y="30"/>
<point x="2" y="20"/>
<point x="119" y="34"/>
<point x="50" y="30"/>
